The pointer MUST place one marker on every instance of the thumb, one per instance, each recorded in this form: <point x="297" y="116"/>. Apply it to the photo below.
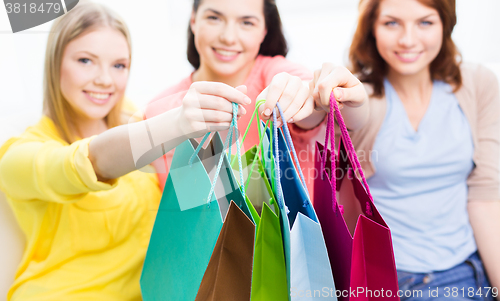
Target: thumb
<point x="242" y="89"/>
<point x="262" y="95"/>
<point x="353" y="97"/>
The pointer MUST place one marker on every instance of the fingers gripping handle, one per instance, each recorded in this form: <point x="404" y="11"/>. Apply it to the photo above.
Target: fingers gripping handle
<point x="335" y="112"/>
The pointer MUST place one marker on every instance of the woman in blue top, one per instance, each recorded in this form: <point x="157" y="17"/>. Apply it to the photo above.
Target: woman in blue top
<point x="433" y="135"/>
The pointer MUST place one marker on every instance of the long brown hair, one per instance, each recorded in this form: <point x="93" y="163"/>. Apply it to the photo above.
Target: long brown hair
<point x="370" y="67"/>
<point x="84" y="17"/>
<point x="274" y="43"/>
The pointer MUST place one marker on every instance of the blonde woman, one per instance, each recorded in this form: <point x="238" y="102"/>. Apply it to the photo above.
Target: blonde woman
<point x="71" y="180"/>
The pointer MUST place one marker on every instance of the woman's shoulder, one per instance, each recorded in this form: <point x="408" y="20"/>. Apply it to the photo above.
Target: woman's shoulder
<point x="181" y="86"/>
<point x="475" y="76"/>
<point x="43" y="131"/>
<point x="268" y="66"/>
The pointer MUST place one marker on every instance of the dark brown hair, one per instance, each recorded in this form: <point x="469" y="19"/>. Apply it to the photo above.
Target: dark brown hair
<point x="370" y="67"/>
<point x="274" y="43"/>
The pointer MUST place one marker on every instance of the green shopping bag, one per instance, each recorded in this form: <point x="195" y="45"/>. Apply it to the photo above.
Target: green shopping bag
<point x="188" y="223"/>
<point x="269" y="280"/>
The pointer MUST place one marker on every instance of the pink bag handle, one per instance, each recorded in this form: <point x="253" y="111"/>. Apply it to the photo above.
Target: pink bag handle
<point x="330" y="132"/>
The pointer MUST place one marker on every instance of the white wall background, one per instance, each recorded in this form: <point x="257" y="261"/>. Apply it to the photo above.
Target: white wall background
<point x="317" y="31"/>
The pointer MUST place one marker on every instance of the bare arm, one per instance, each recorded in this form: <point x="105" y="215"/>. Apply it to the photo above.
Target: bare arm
<point x="485" y="220"/>
<point x="206" y="107"/>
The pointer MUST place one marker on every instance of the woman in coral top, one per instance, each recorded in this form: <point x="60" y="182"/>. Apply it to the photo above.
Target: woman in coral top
<point x="71" y="180"/>
<point x="434" y="143"/>
<point x="241" y="43"/>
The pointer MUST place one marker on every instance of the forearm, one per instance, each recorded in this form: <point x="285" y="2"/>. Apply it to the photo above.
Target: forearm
<point x="126" y="148"/>
<point x="356" y="117"/>
<point x="485" y="220"/>
<point x="312" y="121"/>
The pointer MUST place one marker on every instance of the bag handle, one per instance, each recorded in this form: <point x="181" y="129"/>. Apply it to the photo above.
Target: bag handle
<point x="229" y="139"/>
<point x="276" y="160"/>
<point x="294" y="153"/>
<point x="261" y="136"/>
<point x="351" y="152"/>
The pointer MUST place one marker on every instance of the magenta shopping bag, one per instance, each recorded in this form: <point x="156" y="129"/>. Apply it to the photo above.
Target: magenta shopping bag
<point x="357" y="238"/>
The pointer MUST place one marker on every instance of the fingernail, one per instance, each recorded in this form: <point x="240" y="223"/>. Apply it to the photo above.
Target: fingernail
<point x="290" y="121"/>
<point x="267" y="112"/>
<point x="248" y="100"/>
<point x="278" y="123"/>
<point x="338" y="93"/>
<point x="243" y="111"/>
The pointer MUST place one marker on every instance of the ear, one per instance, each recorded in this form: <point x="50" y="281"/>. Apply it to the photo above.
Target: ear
<point x="192" y="21"/>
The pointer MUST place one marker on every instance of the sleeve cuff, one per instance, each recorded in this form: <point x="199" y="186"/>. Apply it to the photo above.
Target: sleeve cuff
<point x="85" y="169"/>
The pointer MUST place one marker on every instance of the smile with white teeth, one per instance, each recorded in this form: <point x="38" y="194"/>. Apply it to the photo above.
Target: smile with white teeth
<point x="101" y="96"/>
<point x="226" y="52"/>
<point x="408" y="55"/>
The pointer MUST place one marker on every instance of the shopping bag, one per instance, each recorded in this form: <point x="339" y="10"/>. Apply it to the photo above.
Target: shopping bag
<point x="308" y="269"/>
<point x="229" y="272"/>
<point x="188" y="222"/>
<point x="357" y="238"/>
<point x="269" y="272"/>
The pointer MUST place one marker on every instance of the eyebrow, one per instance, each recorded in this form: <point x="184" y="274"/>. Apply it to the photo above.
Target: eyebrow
<point x="221" y="14"/>
<point x="95" y="56"/>
<point x="89" y="53"/>
<point x="430" y="15"/>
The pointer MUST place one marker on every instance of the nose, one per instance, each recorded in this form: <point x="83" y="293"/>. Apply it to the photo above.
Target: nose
<point x="407" y="38"/>
<point x="103" y="77"/>
<point x="228" y="33"/>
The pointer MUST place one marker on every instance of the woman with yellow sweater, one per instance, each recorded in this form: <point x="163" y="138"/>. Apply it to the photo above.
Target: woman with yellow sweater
<point x="71" y="179"/>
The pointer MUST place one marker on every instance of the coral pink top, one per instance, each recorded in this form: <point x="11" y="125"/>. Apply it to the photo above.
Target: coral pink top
<point x="263" y="71"/>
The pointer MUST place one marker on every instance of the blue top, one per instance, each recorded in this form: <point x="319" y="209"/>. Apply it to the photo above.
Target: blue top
<point x="420" y="187"/>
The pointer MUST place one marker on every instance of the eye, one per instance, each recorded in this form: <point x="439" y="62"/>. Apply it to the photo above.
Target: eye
<point x="426" y="23"/>
<point x="248" y="23"/>
<point x="391" y="23"/>
<point x="85" y="61"/>
<point x="120" y="66"/>
<point x="213" y="18"/>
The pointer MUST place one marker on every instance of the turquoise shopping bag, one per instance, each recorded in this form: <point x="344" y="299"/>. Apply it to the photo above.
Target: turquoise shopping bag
<point x="188" y="223"/>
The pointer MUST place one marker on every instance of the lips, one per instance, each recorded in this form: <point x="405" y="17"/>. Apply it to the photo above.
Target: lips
<point x="225" y="55"/>
<point x="408" y="57"/>
<point x="98" y="97"/>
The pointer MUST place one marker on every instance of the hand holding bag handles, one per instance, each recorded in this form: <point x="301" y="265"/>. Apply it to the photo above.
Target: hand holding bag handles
<point x="361" y="259"/>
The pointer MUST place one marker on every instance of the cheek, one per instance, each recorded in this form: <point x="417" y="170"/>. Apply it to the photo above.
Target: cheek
<point x="434" y="40"/>
<point x="121" y="81"/>
<point x="385" y="40"/>
<point x="73" y="79"/>
<point x="252" y="40"/>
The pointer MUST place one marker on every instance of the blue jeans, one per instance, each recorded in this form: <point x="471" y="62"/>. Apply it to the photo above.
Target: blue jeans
<point x="466" y="281"/>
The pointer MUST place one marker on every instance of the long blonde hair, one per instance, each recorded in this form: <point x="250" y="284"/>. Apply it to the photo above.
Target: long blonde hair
<point x="84" y="17"/>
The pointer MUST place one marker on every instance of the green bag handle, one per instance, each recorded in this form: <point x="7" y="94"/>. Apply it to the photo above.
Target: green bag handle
<point x="261" y="135"/>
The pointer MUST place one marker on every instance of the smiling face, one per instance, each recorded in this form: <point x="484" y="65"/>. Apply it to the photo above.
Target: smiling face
<point x="94" y="72"/>
<point x="227" y="35"/>
<point x="408" y="35"/>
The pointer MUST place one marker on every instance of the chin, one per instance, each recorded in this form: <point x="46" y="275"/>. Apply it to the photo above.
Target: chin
<point x="409" y="70"/>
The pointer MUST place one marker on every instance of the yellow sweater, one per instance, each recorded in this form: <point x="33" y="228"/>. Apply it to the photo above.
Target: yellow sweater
<point x="86" y="239"/>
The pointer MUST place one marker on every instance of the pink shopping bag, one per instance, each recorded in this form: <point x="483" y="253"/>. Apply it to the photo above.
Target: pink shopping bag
<point x="357" y="238"/>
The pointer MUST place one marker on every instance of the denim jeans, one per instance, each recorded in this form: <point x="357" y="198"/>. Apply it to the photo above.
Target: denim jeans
<point x="462" y="282"/>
